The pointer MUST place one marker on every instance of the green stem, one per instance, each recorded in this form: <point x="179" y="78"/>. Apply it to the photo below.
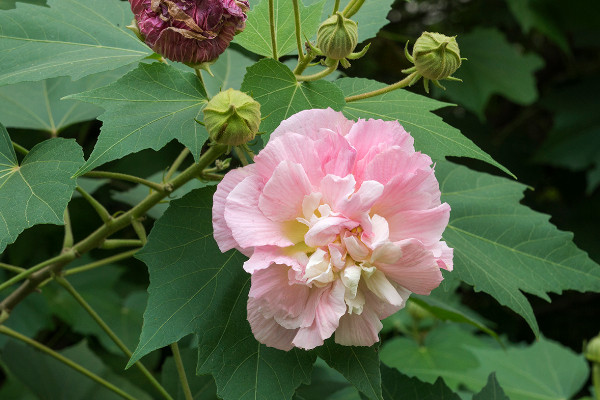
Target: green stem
<point x="93" y="240"/>
<point x="140" y="231"/>
<point x="125" y="177"/>
<point x="200" y="78"/>
<point x="177" y="163"/>
<point x="12" y="268"/>
<point x="9" y="332"/>
<point x="336" y="7"/>
<point x="298" y="29"/>
<point x="68" y="240"/>
<point x="69" y="255"/>
<point x="318" y="75"/>
<point x="398" y="85"/>
<point x="99" y="208"/>
<point x="110" y="244"/>
<point x="209" y="176"/>
<point x="20" y="149"/>
<point x="273" y="30"/>
<point x="100" y="263"/>
<point x="352" y="8"/>
<point x="67" y="285"/>
<point x="303" y="63"/>
<point x="181" y="372"/>
<point x="596" y="379"/>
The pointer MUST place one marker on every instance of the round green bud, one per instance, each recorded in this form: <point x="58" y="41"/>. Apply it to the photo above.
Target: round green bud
<point x="337" y="37"/>
<point x="592" y="350"/>
<point x="232" y="118"/>
<point x="436" y="56"/>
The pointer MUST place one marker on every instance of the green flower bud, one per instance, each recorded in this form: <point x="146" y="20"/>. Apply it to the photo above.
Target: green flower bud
<point x="232" y="118"/>
<point x="436" y="56"/>
<point x="592" y="350"/>
<point x="337" y="37"/>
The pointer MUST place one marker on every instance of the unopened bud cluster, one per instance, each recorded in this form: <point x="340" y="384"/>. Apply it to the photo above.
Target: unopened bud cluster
<point x="232" y="118"/>
<point x="337" y="38"/>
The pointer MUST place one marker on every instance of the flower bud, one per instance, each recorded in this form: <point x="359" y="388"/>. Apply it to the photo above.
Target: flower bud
<point x="232" y="118"/>
<point x="194" y="32"/>
<point x="592" y="350"/>
<point x="436" y="56"/>
<point x="337" y="37"/>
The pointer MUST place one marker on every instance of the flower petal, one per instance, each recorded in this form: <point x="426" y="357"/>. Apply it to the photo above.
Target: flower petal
<point x="326" y="230"/>
<point x="267" y="331"/>
<point x="264" y="256"/>
<point x="281" y="198"/>
<point x="379" y="134"/>
<point x="425" y="225"/>
<point x="309" y="122"/>
<point x="337" y="190"/>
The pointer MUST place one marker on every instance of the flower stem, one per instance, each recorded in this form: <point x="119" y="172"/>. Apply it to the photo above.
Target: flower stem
<point x="596" y="379"/>
<point x="100" y="263"/>
<point x="99" y="208"/>
<point x="92" y="241"/>
<point x="85" y="305"/>
<point x="273" y="29"/>
<point x="68" y="239"/>
<point x="125" y="177"/>
<point x="181" y="372"/>
<point x="20" y="149"/>
<point x="336" y="7"/>
<point x="177" y="163"/>
<point x="16" y="335"/>
<point x="318" y="75"/>
<point x="398" y="85"/>
<point x="200" y="78"/>
<point x="303" y="63"/>
<point x="352" y="8"/>
<point x="298" y="29"/>
<point x="12" y="268"/>
<point x="109" y="244"/>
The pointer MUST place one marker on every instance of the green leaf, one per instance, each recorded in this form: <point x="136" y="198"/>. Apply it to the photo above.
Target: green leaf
<point x="432" y="135"/>
<point x="504" y="248"/>
<point x="446" y="352"/>
<point x="50" y="379"/>
<point x="257" y="35"/>
<point x="491" y="391"/>
<point x="147" y="108"/>
<point x="136" y="194"/>
<point x="360" y="365"/>
<point x="275" y="87"/>
<point x="38" y="105"/>
<point x="494" y="66"/>
<point x="228" y="71"/>
<point x="10" y="4"/>
<point x="38" y="190"/>
<point x="75" y="38"/>
<point x="370" y="19"/>
<point x="541" y="15"/>
<point x="202" y="387"/>
<point x="398" y="386"/>
<point x="188" y="273"/>
<point x="328" y="384"/>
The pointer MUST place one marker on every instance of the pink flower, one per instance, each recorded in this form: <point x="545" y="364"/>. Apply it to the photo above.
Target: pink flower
<point x="342" y="220"/>
<point x="189" y="31"/>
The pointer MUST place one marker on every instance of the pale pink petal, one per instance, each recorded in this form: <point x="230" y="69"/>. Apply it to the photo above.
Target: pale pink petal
<point x="281" y="198"/>
<point x="376" y="231"/>
<point x="264" y="256"/>
<point x="379" y="285"/>
<point x="326" y="230"/>
<point x="362" y="200"/>
<point x="417" y="270"/>
<point x="395" y="161"/>
<point x="222" y="232"/>
<point x="336" y="190"/>
<point x="267" y="331"/>
<point x="310" y="204"/>
<point x="424" y="225"/>
<point x="359" y="330"/>
<point x="338" y="156"/>
<point x="248" y="225"/>
<point x="329" y="310"/>
<point x="386" y="253"/>
<point x="294" y="148"/>
<point x="444" y="255"/>
<point x="376" y="133"/>
<point x="309" y="122"/>
<point x="357" y="250"/>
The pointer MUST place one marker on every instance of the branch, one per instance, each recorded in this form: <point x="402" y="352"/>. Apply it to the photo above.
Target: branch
<point x="125" y="177"/>
<point x="181" y="372"/>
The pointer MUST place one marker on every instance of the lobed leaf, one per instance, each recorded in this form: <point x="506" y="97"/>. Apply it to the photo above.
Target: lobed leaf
<point x="38" y="190"/>
<point x="72" y="37"/>
<point x="491" y="391"/>
<point x="399" y="386"/>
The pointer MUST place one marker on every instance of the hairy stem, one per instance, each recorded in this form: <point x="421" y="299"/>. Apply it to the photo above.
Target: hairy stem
<point x="303" y="63"/>
<point x="16" y="335"/>
<point x="12" y="268"/>
<point x="352" y="8"/>
<point x="273" y="28"/>
<point x="318" y="75"/>
<point x="85" y="305"/>
<point x="596" y="379"/>
<point x="99" y="208"/>
<point x="177" y="163"/>
<point x="125" y="177"/>
<point x="100" y="263"/>
<point x="398" y="85"/>
<point x="336" y="7"/>
<point x="54" y="265"/>
<point x="68" y="239"/>
<point x="298" y="29"/>
<point x="181" y="372"/>
<point x="109" y="244"/>
<point x="20" y="149"/>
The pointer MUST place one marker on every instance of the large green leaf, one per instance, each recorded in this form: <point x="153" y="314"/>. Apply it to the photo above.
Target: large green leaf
<point x="491" y="391"/>
<point x="504" y="248"/>
<point x="147" y="108"/>
<point x="9" y="4"/>
<point x="257" y="35"/>
<point x="228" y="72"/>
<point x="360" y="365"/>
<point x="274" y="86"/>
<point x="370" y="18"/>
<point x="432" y="135"/>
<point x="194" y="288"/>
<point x="38" y="105"/>
<point x="397" y="386"/>
<point x="50" y="379"/>
<point x="38" y="190"/>
<point x="72" y="37"/>
<point x="494" y="66"/>
<point x="327" y="384"/>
